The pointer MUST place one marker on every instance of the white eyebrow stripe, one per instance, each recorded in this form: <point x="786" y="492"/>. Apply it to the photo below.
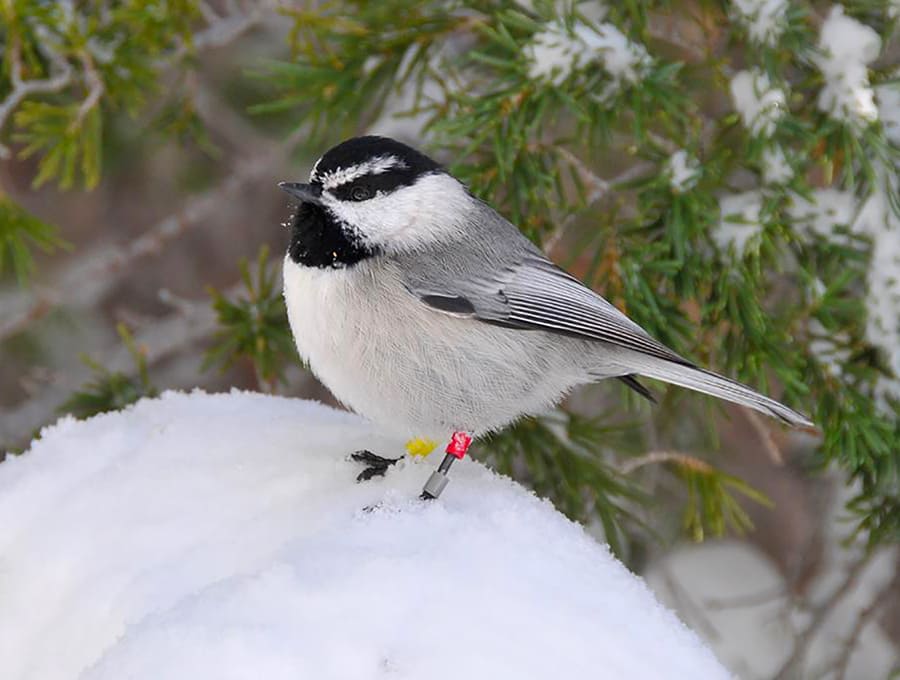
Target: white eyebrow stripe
<point x="312" y="173"/>
<point x="373" y="166"/>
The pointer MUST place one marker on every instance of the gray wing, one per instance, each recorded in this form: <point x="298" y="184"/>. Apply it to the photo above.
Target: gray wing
<point x="513" y="284"/>
<point x="499" y="277"/>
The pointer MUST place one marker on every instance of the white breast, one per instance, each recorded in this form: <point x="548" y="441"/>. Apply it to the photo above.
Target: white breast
<point x="414" y="370"/>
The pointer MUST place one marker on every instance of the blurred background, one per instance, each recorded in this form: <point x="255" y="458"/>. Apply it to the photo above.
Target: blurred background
<point x="725" y="172"/>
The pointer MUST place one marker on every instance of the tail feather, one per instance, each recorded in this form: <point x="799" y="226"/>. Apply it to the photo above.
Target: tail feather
<point x="715" y="385"/>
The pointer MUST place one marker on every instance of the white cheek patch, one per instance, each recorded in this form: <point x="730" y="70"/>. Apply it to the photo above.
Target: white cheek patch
<point x="340" y="176"/>
<point x="431" y="210"/>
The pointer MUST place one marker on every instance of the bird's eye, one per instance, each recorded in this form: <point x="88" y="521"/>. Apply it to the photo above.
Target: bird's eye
<point x="360" y="193"/>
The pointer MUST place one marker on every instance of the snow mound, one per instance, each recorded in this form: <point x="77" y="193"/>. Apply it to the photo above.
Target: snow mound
<point x="223" y="536"/>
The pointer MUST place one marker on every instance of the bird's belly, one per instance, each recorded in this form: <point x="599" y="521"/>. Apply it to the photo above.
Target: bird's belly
<point x="411" y="369"/>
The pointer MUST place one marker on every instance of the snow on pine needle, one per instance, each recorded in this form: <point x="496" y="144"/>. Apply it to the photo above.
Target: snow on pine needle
<point x="822" y="213"/>
<point x="776" y="167"/>
<point x="838" y="215"/>
<point x="879" y="220"/>
<point x="888" y="97"/>
<point x="764" y="20"/>
<point x="847" y="48"/>
<point x="683" y="171"/>
<point x="556" y="53"/>
<point x="740" y="222"/>
<point x="760" y="104"/>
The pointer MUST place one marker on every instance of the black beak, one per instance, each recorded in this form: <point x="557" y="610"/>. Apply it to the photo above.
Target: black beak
<point x="305" y="193"/>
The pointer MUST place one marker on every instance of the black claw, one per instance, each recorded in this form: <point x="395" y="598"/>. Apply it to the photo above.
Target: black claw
<point x="376" y="466"/>
<point x="370" y="472"/>
<point x="370" y="458"/>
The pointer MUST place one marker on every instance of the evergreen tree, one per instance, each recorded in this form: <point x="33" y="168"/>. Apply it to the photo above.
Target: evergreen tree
<point x="725" y="172"/>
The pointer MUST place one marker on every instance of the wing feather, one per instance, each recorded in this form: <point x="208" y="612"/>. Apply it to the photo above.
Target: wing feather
<point x="535" y="294"/>
<point x="502" y="278"/>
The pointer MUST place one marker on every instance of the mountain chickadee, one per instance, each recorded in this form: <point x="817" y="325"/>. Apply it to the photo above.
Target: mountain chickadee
<point x="421" y="308"/>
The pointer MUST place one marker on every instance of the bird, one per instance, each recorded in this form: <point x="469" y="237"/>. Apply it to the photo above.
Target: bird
<point x="421" y="308"/>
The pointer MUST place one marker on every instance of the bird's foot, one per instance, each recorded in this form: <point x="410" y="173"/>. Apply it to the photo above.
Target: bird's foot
<point x="376" y="465"/>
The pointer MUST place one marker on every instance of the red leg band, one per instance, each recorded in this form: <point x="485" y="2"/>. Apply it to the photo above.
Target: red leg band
<point x="459" y="444"/>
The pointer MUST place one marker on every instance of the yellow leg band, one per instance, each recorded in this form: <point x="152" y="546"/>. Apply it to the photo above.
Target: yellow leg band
<point x="420" y="447"/>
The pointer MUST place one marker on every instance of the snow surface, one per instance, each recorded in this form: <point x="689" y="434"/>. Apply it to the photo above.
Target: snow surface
<point x="223" y="536"/>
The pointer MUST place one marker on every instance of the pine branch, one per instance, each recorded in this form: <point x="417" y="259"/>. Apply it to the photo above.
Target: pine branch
<point x="219" y="31"/>
<point x="20" y="233"/>
<point x="109" y="390"/>
<point x="538" y="138"/>
<point x="630" y="465"/>
<point x="222" y="30"/>
<point x="89" y="277"/>
<point x="869" y="612"/>
<point x="216" y="116"/>
<point x="21" y="89"/>
<point x="95" y="88"/>
<point x="711" y="506"/>
<point x="764" y="435"/>
<point x="254" y="326"/>
<point x="193" y="321"/>
<point x="599" y="188"/>
<point x="791" y="665"/>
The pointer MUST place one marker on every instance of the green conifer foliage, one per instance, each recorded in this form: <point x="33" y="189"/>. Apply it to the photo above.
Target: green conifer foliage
<point x="726" y="173"/>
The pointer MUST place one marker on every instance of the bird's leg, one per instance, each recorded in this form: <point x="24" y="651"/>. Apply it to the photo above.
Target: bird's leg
<point x="376" y="465"/>
<point x="456" y="449"/>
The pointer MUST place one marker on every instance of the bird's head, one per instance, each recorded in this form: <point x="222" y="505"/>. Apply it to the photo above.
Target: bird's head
<point x="382" y="194"/>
